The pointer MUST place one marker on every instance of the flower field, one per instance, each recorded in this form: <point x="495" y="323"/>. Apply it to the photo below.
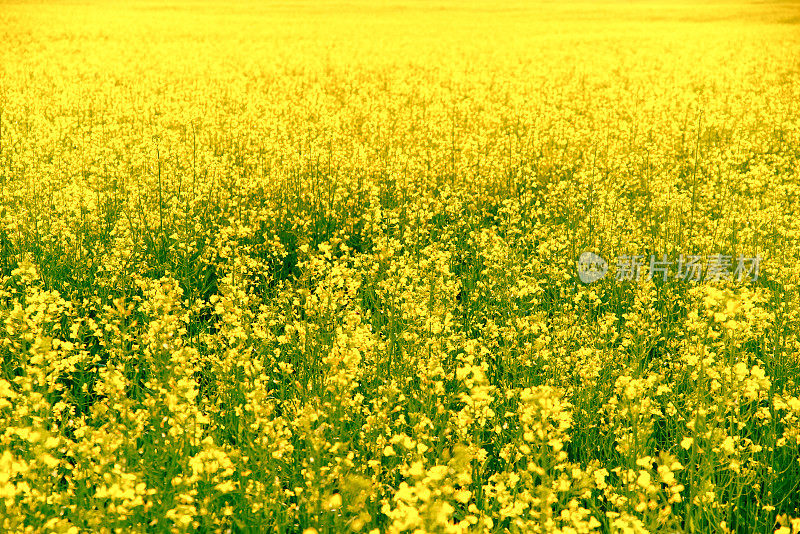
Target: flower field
<point x="313" y="267"/>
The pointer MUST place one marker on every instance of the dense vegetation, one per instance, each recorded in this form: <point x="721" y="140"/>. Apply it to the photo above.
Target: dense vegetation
<point x="312" y="267"/>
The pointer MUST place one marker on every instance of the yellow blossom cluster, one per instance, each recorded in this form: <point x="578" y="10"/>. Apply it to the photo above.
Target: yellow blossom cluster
<point x="312" y="267"/>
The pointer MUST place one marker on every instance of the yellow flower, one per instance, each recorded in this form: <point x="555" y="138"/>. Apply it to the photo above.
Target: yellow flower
<point x="335" y="501"/>
<point x="225" y="487"/>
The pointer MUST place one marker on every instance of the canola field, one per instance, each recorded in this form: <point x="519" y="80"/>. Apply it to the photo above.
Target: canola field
<point x="322" y="267"/>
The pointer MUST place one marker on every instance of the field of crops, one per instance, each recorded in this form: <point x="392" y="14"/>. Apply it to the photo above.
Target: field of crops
<point x="313" y="267"/>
